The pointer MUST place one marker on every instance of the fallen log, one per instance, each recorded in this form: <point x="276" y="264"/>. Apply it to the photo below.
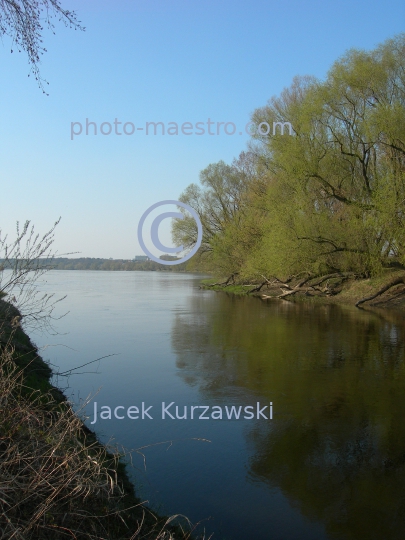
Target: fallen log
<point x="343" y="275"/>
<point x="305" y="290"/>
<point x="397" y="281"/>
<point x="276" y="282"/>
<point x="314" y="287"/>
<point x="224" y="283"/>
<point x="257" y="289"/>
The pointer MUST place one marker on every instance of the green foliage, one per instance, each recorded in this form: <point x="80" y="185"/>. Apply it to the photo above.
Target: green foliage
<point x="329" y="198"/>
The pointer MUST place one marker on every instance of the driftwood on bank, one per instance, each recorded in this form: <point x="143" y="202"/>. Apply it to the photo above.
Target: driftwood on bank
<point x="397" y="281"/>
<point x="265" y="282"/>
<point x="303" y="285"/>
<point x="308" y="285"/>
<point x="311" y="289"/>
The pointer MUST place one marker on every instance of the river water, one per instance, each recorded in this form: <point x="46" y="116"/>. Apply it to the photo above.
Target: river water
<point x="330" y="464"/>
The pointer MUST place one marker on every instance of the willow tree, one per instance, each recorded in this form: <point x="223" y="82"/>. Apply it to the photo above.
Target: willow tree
<point x="338" y="202"/>
<point x="219" y="202"/>
<point x="330" y="197"/>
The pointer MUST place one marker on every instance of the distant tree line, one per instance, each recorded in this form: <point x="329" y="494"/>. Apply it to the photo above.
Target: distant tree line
<point x="87" y="263"/>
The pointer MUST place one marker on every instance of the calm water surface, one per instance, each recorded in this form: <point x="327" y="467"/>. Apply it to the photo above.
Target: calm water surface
<point x="331" y="463"/>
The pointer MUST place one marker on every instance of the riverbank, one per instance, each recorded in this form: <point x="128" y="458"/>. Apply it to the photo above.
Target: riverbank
<point x="335" y="289"/>
<point x="56" y="479"/>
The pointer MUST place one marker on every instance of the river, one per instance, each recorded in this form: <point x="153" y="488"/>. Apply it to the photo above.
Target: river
<point x="328" y="464"/>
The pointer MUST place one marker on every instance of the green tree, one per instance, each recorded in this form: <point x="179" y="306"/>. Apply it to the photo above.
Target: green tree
<point x="330" y="198"/>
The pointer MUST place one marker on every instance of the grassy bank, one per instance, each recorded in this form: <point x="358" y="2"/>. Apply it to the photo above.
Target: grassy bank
<point x="56" y="480"/>
<point x="332" y="291"/>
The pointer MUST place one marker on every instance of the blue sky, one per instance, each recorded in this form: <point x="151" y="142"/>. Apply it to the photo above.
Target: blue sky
<point x="162" y="61"/>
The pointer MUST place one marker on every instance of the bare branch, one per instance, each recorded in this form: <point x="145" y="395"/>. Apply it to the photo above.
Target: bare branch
<point x="24" y="21"/>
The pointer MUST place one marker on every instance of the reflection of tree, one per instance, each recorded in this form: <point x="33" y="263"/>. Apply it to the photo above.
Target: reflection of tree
<point x="336" y="376"/>
<point x="345" y="472"/>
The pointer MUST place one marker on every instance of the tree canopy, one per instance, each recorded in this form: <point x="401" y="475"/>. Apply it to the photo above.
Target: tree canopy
<point x="329" y="198"/>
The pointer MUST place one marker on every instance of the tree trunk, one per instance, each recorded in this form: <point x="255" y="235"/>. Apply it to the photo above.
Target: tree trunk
<point x="396" y="281"/>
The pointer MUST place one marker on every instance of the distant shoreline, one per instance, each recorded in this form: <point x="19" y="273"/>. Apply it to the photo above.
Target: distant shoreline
<point x="123" y="265"/>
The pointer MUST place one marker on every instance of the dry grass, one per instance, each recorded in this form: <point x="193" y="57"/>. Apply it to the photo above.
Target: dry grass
<point x="57" y="481"/>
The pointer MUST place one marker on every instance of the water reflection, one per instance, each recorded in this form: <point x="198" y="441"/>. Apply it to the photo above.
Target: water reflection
<point x="336" y="446"/>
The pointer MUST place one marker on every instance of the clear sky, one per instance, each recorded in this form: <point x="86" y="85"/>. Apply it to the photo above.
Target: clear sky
<point x="154" y="61"/>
